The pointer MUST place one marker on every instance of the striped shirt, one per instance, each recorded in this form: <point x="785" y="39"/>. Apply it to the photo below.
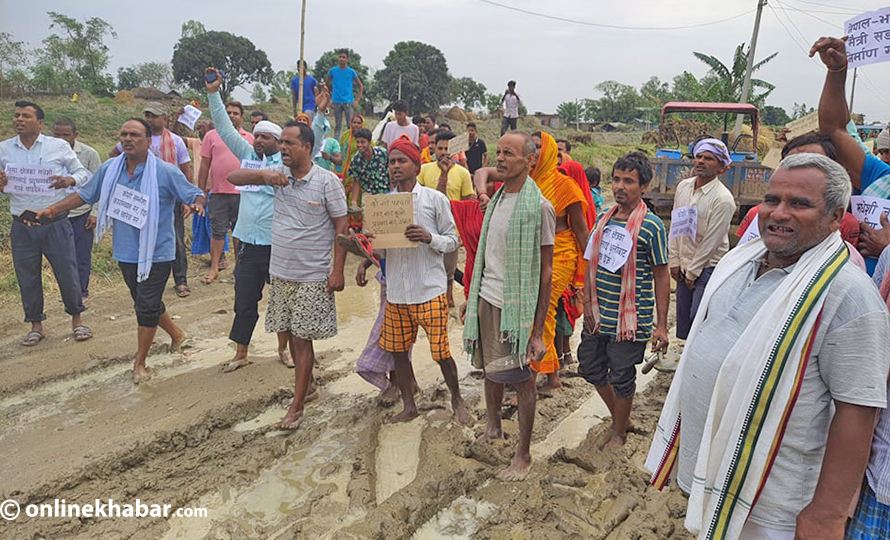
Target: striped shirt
<point x="878" y="471"/>
<point x="417" y="275"/>
<point x="652" y="250"/>
<point x="302" y="224"/>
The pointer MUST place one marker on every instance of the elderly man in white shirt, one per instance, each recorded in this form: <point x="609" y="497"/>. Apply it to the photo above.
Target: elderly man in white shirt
<point x="31" y="154"/>
<point x="416" y="282"/>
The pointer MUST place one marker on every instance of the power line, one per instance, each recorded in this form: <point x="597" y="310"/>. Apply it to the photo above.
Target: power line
<point x="794" y="39"/>
<point x="872" y="88"/>
<point x="613" y="26"/>
<point x="809" y="14"/>
<point x="790" y="20"/>
<point x="852" y="10"/>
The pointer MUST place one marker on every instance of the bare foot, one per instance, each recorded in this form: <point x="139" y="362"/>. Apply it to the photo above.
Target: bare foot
<point x="141" y="374"/>
<point x="210" y="277"/>
<point x="284" y="356"/>
<point x="234" y="364"/>
<point x="518" y="469"/>
<point x="461" y="413"/>
<point x="291" y="421"/>
<point x="311" y="396"/>
<point x="391" y="394"/>
<point x="405" y="416"/>
<point x="490" y="434"/>
<point x="549" y="385"/>
<point x="616" y="441"/>
<point x="176" y="344"/>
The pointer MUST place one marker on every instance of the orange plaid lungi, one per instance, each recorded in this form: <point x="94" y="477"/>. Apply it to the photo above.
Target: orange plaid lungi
<point x="400" y="322"/>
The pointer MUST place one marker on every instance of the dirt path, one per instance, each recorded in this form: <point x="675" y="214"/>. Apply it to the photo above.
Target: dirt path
<point x="73" y="427"/>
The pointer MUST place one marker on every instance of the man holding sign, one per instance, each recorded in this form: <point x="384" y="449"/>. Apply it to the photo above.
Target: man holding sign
<point x="138" y="194"/>
<point x="36" y="170"/>
<point x="703" y="209"/>
<point x="627" y="280"/>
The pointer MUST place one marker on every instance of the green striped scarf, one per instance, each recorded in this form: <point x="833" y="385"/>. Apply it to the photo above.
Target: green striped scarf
<point x="522" y="277"/>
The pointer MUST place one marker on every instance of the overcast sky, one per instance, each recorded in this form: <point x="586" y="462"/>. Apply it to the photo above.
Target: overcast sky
<point x="553" y="61"/>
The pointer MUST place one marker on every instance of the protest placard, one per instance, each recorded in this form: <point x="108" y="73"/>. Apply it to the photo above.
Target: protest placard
<point x="29" y="179"/>
<point x="459" y="144"/>
<point x="803" y="125"/>
<point x="752" y="232"/>
<point x="614" y="249"/>
<point x="189" y="116"/>
<point x="128" y="206"/>
<point x="869" y="209"/>
<point x="772" y="159"/>
<point x="869" y="38"/>
<point x="684" y="221"/>
<point x="253" y="165"/>
<point x="387" y="216"/>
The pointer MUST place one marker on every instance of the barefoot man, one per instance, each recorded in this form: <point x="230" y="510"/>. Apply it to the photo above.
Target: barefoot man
<point x="510" y="293"/>
<point x="144" y="242"/>
<point x="310" y="210"/>
<point x="415" y="282"/>
<point x="622" y="288"/>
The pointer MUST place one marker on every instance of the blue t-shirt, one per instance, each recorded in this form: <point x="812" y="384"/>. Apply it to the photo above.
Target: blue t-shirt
<point x="309" y="84"/>
<point x="172" y="188"/>
<point x="341" y="80"/>
<point x="872" y="169"/>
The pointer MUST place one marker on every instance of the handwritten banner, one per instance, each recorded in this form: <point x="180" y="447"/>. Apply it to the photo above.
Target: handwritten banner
<point x="803" y="125"/>
<point x="614" y="249"/>
<point x="386" y="217"/>
<point x="773" y="158"/>
<point x="252" y="165"/>
<point x="29" y="179"/>
<point x="189" y="116"/>
<point x="868" y="39"/>
<point x="684" y="222"/>
<point x="459" y="144"/>
<point x="869" y="209"/>
<point x="128" y="206"/>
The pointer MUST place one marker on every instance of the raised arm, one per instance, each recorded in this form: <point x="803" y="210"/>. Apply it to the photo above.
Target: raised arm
<point x="262" y="177"/>
<point x="224" y="127"/>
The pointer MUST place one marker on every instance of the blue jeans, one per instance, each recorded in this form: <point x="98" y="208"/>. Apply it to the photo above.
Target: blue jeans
<point x="83" y="249"/>
<point x="339" y="110"/>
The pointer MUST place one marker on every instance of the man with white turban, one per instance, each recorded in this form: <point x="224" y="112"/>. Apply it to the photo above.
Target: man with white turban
<point x="703" y="208"/>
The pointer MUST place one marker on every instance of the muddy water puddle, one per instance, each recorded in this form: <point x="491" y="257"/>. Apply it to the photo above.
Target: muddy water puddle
<point x="460" y="521"/>
<point x="398" y="454"/>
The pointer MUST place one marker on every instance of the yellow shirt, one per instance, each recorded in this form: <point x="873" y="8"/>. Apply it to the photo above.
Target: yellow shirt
<point x="460" y="183"/>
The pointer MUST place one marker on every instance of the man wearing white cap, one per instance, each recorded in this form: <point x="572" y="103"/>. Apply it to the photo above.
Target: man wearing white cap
<point x="253" y="229"/>
<point x="882" y="145"/>
<point x="703" y="208"/>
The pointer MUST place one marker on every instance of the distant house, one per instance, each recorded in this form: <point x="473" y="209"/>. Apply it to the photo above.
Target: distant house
<point x="549" y="120"/>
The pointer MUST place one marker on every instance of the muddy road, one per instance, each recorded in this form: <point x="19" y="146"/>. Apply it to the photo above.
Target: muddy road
<point x="74" y="427"/>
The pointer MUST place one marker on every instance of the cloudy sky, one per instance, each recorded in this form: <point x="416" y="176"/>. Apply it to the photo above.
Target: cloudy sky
<point x="552" y="60"/>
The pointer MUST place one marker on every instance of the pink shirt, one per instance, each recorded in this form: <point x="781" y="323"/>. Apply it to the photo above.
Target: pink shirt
<point x="223" y="161"/>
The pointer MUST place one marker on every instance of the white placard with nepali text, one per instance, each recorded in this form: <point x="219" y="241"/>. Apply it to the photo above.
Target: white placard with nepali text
<point x="129" y="206"/>
<point x="459" y="144"/>
<point x="753" y="230"/>
<point x="684" y="222"/>
<point x="614" y="249"/>
<point x="253" y="165"/>
<point x="189" y="116"/>
<point x="29" y="179"/>
<point x="869" y="38"/>
<point x="869" y="209"/>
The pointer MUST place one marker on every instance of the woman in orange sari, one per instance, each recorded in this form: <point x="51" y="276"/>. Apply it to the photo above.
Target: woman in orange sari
<point x="572" y="230"/>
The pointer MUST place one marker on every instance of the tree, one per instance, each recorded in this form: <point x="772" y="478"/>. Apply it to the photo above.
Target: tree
<point x="655" y="91"/>
<point x="619" y="103"/>
<point x="258" y="95"/>
<point x="192" y="28"/>
<point x="726" y="82"/>
<point x="239" y="60"/>
<point x="685" y="87"/>
<point x="469" y="92"/>
<point x="492" y="102"/>
<point x="426" y="84"/>
<point x="329" y="59"/>
<point x="280" y="85"/>
<point x="83" y="45"/>
<point x="774" y="116"/>
<point x="799" y="110"/>
<point x="570" y="111"/>
<point x="13" y="61"/>
<point x="151" y="74"/>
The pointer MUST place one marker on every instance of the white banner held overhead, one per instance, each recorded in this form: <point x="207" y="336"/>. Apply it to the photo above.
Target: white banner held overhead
<point x="869" y="38"/>
<point x="189" y="116"/>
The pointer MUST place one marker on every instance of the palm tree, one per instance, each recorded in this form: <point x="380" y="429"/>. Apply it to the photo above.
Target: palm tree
<point x="724" y="84"/>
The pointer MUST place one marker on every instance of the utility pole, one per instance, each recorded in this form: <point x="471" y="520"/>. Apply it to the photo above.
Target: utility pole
<point x="577" y="115"/>
<point x="746" y="85"/>
<point x="302" y="68"/>
<point x="400" y="86"/>
<point x="853" y="90"/>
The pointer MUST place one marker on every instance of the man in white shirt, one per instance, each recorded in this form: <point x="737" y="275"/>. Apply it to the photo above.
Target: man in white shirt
<point x="511" y="101"/>
<point x="415" y="283"/>
<point x="55" y="239"/>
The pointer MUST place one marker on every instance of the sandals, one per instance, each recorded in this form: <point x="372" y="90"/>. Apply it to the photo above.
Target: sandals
<point x="82" y="333"/>
<point x="33" y="338"/>
<point x="183" y="290"/>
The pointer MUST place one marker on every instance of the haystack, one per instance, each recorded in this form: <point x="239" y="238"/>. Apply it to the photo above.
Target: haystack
<point x="124" y="97"/>
<point x="457" y="114"/>
<point x="765" y="139"/>
<point x="149" y="93"/>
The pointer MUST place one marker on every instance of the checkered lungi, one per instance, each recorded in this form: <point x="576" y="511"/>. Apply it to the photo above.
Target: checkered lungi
<point x="400" y="322"/>
<point x="872" y="518"/>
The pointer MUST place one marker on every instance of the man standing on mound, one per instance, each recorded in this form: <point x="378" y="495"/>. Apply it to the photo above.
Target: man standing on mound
<point x="416" y="282"/>
<point x="510" y="293"/>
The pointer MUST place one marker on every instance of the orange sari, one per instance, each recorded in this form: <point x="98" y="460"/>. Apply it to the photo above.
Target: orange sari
<point x="562" y="192"/>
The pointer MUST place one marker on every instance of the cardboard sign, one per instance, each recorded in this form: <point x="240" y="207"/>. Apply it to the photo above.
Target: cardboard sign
<point x="803" y="125"/>
<point x="128" y="206"/>
<point x="773" y="158"/>
<point x="386" y="217"/>
<point x="752" y="232"/>
<point x="29" y="179"/>
<point x="459" y="144"/>
<point x="189" y="116"/>
<point x="255" y="166"/>
<point x="684" y="222"/>
<point x="869" y="209"/>
<point x="614" y="249"/>
<point x="868" y="39"/>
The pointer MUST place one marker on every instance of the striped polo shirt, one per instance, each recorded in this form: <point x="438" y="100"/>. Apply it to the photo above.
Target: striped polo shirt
<point x="302" y="224"/>
<point x="652" y="250"/>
